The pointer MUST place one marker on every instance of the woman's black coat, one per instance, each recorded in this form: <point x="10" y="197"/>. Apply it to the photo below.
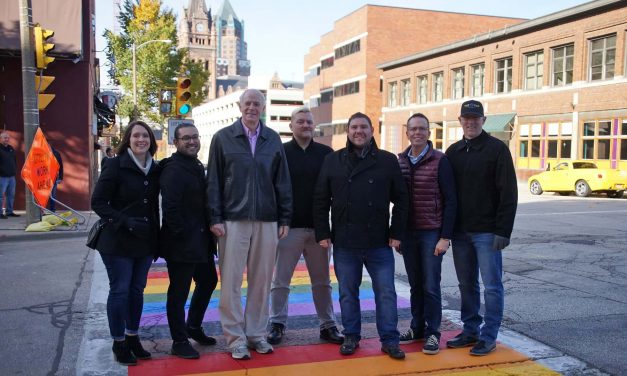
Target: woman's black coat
<point x="185" y="235"/>
<point x="129" y="200"/>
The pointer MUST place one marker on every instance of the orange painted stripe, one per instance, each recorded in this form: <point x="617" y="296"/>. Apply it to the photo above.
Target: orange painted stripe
<point x="320" y="359"/>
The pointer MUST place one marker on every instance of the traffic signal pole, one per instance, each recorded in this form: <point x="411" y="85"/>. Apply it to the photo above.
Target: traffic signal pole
<point x="29" y="94"/>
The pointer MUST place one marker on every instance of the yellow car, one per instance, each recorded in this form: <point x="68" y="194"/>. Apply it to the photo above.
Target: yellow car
<point x="582" y="177"/>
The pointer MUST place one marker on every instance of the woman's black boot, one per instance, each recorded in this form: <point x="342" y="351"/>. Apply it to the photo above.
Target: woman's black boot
<point x="135" y="345"/>
<point x="123" y="354"/>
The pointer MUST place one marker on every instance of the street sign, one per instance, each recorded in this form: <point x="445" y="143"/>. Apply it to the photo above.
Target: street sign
<point x="172" y="124"/>
<point x="40" y="169"/>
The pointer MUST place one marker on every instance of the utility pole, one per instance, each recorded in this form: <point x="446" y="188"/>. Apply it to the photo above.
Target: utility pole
<point x="29" y="93"/>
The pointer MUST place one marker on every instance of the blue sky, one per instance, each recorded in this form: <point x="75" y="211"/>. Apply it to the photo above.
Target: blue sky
<point x="280" y="32"/>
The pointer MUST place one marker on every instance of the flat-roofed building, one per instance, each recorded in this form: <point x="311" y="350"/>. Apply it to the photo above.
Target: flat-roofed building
<point x="553" y="88"/>
<point x="341" y="76"/>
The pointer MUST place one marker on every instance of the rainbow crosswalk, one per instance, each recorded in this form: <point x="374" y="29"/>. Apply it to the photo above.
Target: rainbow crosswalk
<point x="318" y="358"/>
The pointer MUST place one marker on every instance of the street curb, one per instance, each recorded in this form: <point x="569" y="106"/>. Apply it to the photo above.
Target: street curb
<point x="50" y="235"/>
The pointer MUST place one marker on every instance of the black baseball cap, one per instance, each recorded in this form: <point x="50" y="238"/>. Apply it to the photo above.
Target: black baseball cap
<point x="472" y="108"/>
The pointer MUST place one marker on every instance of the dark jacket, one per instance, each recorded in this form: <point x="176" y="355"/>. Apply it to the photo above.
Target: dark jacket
<point x="185" y="235"/>
<point x="359" y="198"/>
<point x="304" y="169"/>
<point x="487" y="192"/>
<point x="246" y="187"/>
<point x="129" y="201"/>
<point x="57" y="156"/>
<point x="7" y="161"/>
<point x="431" y="188"/>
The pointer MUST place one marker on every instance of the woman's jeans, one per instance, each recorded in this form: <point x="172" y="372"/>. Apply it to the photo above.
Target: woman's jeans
<point x="127" y="280"/>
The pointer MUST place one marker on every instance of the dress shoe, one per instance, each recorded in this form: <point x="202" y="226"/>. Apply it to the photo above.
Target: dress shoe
<point x="462" y="340"/>
<point x="184" y="350"/>
<point x="349" y="345"/>
<point x="275" y="335"/>
<point x="135" y="345"/>
<point x="2" y="216"/>
<point x="123" y="354"/>
<point x="482" y="348"/>
<point x="393" y="351"/>
<point x="332" y="335"/>
<point x="198" y="335"/>
<point x="12" y="214"/>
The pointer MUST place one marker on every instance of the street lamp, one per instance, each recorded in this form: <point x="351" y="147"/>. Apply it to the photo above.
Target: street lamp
<point x="134" y="49"/>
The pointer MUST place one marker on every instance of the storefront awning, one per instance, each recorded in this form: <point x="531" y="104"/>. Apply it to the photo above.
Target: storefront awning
<point x="498" y="123"/>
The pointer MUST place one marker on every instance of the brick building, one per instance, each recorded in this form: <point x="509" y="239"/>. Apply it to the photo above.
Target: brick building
<point x="553" y="88"/>
<point x="341" y="74"/>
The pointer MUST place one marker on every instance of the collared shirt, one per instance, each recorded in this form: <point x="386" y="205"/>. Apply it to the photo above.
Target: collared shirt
<point x="417" y="159"/>
<point x="252" y="136"/>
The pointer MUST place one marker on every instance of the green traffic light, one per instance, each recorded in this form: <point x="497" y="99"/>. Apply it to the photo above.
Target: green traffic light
<point x="184" y="109"/>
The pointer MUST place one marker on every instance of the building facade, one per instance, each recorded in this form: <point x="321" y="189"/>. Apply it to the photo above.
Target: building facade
<point x="282" y="97"/>
<point x="553" y="88"/>
<point x="341" y="75"/>
<point x="215" y="38"/>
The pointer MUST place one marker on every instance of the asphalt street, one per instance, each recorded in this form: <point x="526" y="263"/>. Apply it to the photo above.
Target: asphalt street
<point x="565" y="279"/>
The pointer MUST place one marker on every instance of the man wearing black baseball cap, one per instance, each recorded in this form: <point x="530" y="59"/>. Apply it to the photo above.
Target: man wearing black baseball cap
<point x="487" y="197"/>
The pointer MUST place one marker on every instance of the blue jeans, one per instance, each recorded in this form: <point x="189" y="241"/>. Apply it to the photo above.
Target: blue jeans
<point x="424" y="271"/>
<point x="379" y="262"/>
<point x="7" y="185"/>
<point x="127" y="280"/>
<point x="473" y="254"/>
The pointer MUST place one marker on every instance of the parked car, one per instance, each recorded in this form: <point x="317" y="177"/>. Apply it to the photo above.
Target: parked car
<point x="582" y="177"/>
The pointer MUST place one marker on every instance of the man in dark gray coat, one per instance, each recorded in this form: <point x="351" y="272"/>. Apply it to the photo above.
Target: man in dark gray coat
<point x="186" y="242"/>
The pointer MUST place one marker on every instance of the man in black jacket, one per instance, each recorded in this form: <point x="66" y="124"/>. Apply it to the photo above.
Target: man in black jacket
<point x="186" y="242"/>
<point x="7" y="176"/>
<point x="304" y="158"/>
<point x="358" y="183"/>
<point x="487" y="197"/>
<point x="249" y="200"/>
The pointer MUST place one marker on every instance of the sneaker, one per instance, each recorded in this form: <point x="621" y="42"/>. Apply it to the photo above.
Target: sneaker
<point x="135" y="345"/>
<point x="262" y="347"/>
<point x="275" y="335"/>
<point x="12" y="215"/>
<point x="482" y="348"/>
<point x="2" y="216"/>
<point x="123" y="354"/>
<point x="462" y="340"/>
<point x="432" y="345"/>
<point x="184" y="350"/>
<point x="240" y="352"/>
<point x="332" y="335"/>
<point x="409" y="337"/>
<point x="349" y="345"/>
<point x="198" y="335"/>
<point x="393" y="351"/>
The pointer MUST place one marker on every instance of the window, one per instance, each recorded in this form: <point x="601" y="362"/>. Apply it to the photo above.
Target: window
<point x="405" y="92"/>
<point x="562" y="65"/>
<point x="602" y="58"/>
<point x="421" y="94"/>
<point x="346" y="89"/>
<point x="534" y="70"/>
<point x="596" y="139"/>
<point x="392" y="94"/>
<point x="524" y="148"/>
<point x="326" y="96"/>
<point x="551" y="140"/>
<point x="458" y="83"/>
<point x="623" y="141"/>
<point x="438" y="86"/>
<point x="504" y="75"/>
<point x="326" y="63"/>
<point x="347" y="49"/>
<point x="478" y="73"/>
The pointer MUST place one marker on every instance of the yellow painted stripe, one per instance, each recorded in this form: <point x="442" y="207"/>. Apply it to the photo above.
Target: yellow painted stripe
<point x="160" y="285"/>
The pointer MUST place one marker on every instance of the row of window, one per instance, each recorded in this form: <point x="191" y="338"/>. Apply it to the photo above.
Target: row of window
<point x="601" y="66"/>
<point x="347" y="49"/>
<point x="346" y="89"/>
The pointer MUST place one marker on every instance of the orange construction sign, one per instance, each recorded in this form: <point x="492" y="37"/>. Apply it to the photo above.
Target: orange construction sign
<point x="40" y="169"/>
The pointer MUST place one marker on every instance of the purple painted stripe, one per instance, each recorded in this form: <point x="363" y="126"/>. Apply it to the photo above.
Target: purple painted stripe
<point x="542" y="144"/>
<point x="159" y="318"/>
<point x="614" y="144"/>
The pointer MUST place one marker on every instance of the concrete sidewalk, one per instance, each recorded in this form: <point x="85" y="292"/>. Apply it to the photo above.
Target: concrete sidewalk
<point x="12" y="228"/>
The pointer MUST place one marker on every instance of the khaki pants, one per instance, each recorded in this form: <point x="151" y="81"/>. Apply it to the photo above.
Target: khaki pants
<point x="250" y="245"/>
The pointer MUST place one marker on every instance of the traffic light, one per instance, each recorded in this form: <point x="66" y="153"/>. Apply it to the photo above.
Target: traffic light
<point x="41" y="83"/>
<point x="42" y="47"/>
<point x="183" y="95"/>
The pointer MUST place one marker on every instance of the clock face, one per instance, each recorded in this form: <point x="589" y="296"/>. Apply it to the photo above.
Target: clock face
<point x="200" y="27"/>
